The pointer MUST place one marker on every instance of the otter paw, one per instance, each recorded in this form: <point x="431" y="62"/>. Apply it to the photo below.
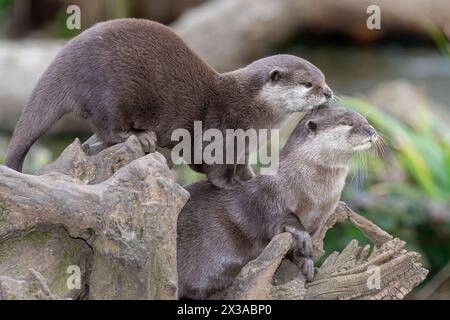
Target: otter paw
<point x="148" y="141"/>
<point x="304" y="242"/>
<point x="306" y="266"/>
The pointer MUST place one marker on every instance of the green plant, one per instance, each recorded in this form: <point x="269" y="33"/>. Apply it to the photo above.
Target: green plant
<point x="439" y="38"/>
<point x="407" y="191"/>
<point x="422" y="152"/>
<point x="5" y="4"/>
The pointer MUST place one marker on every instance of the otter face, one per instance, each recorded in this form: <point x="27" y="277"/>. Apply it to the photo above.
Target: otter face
<point x="295" y="85"/>
<point x="339" y="133"/>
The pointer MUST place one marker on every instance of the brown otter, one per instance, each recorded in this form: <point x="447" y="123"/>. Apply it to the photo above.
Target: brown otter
<point x="137" y="77"/>
<point x="219" y="231"/>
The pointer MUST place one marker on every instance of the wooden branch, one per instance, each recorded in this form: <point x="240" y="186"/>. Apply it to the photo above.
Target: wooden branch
<point x="351" y="274"/>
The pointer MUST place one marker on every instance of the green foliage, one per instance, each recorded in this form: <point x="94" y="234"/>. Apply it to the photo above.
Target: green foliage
<point x="115" y="9"/>
<point x="438" y="37"/>
<point x="5" y="5"/>
<point x="2" y="150"/>
<point x="406" y="187"/>
<point x="422" y="152"/>
<point x="59" y="26"/>
<point x="185" y="175"/>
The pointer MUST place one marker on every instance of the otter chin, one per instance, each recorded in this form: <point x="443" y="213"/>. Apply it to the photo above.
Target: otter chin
<point x="219" y="231"/>
<point x="364" y="146"/>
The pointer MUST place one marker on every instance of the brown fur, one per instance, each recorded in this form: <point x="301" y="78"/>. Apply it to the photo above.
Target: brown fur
<point x="219" y="231"/>
<point x="132" y="76"/>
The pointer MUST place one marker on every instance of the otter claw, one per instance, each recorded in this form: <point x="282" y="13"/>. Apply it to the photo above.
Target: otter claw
<point x="304" y="243"/>
<point x="306" y="266"/>
<point x="148" y="141"/>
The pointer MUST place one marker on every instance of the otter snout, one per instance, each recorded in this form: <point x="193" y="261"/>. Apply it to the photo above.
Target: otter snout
<point x="371" y="132"/>
<point x="328" y="93"/>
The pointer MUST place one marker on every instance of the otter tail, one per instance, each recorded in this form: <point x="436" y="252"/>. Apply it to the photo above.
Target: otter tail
<point x="37" y="118"/>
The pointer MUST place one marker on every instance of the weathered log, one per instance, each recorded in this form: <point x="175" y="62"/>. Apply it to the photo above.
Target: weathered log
<point x="239" y="31"/>
<point x="32" y="288"/>
<point x="128" y="218"/>
<point x="113" y="213"/>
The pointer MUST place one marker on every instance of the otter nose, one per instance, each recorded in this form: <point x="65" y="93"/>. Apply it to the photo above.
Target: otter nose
<point x="328" y="93"/>
<point x="371" y="131"/>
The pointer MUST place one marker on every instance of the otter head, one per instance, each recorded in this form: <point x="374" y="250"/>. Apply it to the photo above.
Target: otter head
<point x="333" y="135"/>
<point x="292" y="84"/>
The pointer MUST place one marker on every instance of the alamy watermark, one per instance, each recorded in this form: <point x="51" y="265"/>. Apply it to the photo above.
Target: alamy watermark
<point x="73" y="281"/>
<point x="73" y="21"/>
<point x="213" y="146"/>
<point x="373" y="22"/>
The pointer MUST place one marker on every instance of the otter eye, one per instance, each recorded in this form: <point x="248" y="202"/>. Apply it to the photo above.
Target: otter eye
<point x="307" y="84"/>
<point x="311" y="125"/>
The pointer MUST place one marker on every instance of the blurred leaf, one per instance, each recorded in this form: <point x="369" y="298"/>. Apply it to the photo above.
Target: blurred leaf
<point x="60" y="26"/>
<point x="438" y="37"/>
<point x="421" y="151"/>
<point x="5" y="4"/>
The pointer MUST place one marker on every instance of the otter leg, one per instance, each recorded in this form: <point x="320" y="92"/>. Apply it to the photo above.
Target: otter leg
<point x="302" y="252"/>
<point x="304" y="242"/>
<point x="222" y="176"/>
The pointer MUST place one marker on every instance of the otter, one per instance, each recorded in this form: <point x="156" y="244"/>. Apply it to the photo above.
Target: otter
<point x="137" y="77"/>
<point x="219" y="231"/>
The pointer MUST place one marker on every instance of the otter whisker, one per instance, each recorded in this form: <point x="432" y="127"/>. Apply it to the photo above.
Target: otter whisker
<point x="336" y="98"/>
<point x="380" y="147"/>
<point x="359" y="170"/>
<point x="382" y="136"/>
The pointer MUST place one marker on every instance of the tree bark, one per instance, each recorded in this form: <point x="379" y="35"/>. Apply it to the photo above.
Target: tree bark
<point x="123" y="206"/>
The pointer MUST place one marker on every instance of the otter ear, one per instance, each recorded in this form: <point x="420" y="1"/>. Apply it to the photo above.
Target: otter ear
<point x="275" y="74"/>
<point x="311" y="125"/>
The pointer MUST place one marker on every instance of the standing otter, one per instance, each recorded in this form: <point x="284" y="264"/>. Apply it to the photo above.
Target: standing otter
<point x="219" y="231"/>
<point x="137" y="77"/>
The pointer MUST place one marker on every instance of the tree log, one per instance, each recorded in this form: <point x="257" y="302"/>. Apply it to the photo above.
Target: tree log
<point x="128" y="217"/>
<point x="386" y="272"/>
<point x="113" y="212"/>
